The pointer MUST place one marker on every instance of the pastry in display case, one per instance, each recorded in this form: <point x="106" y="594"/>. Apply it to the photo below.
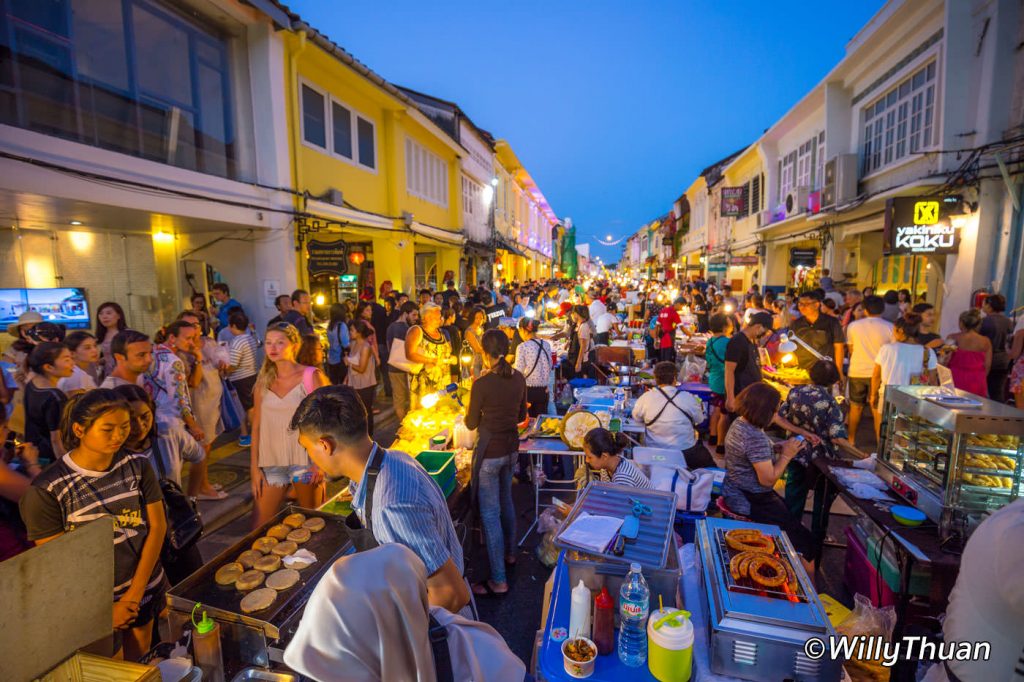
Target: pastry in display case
<point x="954" y="455"/>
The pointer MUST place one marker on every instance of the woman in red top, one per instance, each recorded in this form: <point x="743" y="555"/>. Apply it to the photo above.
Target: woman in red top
<point x="972" y="358"/>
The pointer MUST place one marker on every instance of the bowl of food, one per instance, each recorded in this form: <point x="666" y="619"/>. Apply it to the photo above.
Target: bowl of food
<point x="579" y="655"/>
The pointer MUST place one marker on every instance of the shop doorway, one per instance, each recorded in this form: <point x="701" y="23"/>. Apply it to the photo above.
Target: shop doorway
<point x="921" y="275"/>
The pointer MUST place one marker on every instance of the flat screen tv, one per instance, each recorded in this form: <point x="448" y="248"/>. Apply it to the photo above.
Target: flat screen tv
<point x="66" y="306"/>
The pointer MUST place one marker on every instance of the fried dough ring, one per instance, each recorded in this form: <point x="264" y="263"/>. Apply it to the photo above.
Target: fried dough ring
<point x="745" y="563"/>
<point x="739" y="564"/>
<point x="776" y="571"/>
<point x="734" y="566"/>
<point x="749" y="540"/>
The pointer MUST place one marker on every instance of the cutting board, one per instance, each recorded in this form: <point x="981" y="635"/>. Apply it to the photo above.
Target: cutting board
<point x="57" y="598"/>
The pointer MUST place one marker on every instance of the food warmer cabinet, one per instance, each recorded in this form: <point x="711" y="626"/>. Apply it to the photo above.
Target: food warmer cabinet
<point x="759" y="633"/>
<point x="954" y="462"/>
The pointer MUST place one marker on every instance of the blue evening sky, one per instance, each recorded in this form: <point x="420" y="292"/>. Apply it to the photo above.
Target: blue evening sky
<point x="612" y="106"/>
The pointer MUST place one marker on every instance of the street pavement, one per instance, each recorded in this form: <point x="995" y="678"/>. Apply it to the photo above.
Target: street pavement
<point x="515" y="616"/>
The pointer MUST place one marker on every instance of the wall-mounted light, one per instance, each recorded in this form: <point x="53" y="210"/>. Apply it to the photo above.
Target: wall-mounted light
<point x="75" y="222"/>
<point x="494" y="182"/>
<point x="319" y="300"/>
<point x="356" y="257"/>
<point x="162" y="237"/>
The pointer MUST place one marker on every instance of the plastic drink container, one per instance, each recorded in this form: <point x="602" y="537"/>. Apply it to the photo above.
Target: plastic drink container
<point x="670" y="645"/>
<point x="634" y="603"/>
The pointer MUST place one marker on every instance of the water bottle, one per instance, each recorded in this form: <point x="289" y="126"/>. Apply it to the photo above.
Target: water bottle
<point x="304" y="476"/>
<point x="620" y="402"/>
<point x="634" y="602"/>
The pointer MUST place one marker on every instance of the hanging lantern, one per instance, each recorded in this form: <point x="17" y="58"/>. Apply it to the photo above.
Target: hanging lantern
<point x="356" y="257"/>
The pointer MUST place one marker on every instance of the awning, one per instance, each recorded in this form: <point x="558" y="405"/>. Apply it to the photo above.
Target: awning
<point x="506" y="245"/>
<point x="437" y="234"/>
<point x="475" y="248"/>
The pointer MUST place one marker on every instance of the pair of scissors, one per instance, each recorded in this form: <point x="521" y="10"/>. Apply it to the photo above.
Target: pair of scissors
<point x="639" y="508"/>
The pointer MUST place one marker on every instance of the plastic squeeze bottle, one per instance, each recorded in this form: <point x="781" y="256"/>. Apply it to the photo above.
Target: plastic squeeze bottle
<point x="604" y="622"/>
<point x="579" y="612"/>
<point x="206" y="647"/>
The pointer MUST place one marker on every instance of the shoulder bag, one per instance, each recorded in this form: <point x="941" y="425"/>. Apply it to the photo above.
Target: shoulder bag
<point x="398" y="359"/>
<point x="536" y="360"/>
<point x="184" y="524"/>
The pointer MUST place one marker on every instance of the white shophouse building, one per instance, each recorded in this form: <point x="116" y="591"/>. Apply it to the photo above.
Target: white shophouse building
<point x="920" y="106"/>
<point x="140" y="151"/>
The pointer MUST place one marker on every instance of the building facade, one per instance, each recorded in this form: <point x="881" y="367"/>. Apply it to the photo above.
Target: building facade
<point x="140" y="154"/>
<point x="524" y="221"/>
<point x="926" y="105"/>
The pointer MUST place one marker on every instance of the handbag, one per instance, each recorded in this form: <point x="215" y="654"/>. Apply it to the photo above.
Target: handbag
<point x="922" y="378"/>
<point x="692" y="488"/>
<point x="231" y="411"/>
<point x="184" y="523"/>
<point x="399" y="361"/>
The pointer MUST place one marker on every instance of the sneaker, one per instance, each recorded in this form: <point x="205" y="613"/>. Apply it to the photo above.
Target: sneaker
<point x="244" y="441"/>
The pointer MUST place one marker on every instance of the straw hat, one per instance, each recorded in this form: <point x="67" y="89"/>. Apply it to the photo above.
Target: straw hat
<point x="30" y="317"/>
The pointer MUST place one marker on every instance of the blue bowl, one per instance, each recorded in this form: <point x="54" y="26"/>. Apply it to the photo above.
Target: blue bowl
<point x="908" y="516"/>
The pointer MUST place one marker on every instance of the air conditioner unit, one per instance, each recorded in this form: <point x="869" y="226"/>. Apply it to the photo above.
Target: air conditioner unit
<point x="764" y="217"/>
<point x="334" y="197"/>
<point x="796" y="201"/>
<point x="840" y="182"/>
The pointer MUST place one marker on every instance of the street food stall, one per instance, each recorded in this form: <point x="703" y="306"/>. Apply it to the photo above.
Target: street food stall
<point x="257" y="589"/>
<point x="749" y="604"/>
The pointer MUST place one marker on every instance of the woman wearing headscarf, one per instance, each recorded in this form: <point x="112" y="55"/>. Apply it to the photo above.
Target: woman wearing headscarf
<point x="368" y="620"/>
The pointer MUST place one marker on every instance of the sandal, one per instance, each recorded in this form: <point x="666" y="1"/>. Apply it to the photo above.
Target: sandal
<point x="484" y="589"/>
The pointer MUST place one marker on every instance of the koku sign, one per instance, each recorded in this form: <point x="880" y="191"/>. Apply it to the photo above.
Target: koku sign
<point x="922" y="225"/>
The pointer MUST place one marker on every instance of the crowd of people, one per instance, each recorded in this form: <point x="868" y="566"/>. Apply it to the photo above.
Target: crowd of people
<point x="107" y="420"/>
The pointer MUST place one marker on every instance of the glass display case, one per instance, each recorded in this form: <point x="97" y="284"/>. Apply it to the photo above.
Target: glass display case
<point x="954" y="455"/>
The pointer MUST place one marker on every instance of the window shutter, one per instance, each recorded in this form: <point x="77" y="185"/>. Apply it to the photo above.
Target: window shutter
<point x="755" y="194"/>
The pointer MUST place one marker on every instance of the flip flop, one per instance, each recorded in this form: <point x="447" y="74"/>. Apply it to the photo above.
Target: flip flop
<point x="488" y="591"/>
<point x="221" y="495"/>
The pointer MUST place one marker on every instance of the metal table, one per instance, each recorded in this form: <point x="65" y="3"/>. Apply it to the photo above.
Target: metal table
<point x="912" y="545"/>
<point x="536" y="448"/>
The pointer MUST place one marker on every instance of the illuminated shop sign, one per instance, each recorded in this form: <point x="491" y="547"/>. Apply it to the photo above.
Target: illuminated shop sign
<point x="922" y="225"/>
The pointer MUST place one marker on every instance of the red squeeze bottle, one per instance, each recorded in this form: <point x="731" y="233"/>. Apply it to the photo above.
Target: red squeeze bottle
<point x="604" y="622"/>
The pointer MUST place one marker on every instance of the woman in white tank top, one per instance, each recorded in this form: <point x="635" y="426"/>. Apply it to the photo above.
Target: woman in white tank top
<point x="276" y="456"/>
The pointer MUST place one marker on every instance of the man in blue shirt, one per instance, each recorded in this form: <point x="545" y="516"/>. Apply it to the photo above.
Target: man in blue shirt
<point x="406" y="506"/>
<point x="225" y="304"/>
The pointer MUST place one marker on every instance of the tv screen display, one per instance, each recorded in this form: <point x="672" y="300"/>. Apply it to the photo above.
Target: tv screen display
<point x="66" y="306"/>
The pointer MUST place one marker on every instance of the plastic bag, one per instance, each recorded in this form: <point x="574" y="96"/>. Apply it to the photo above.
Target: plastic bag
<point x="550" y="520"/>
<point x="693" y="370"/>
<point x="462" y="437"/>
<point x="868" y="621"/>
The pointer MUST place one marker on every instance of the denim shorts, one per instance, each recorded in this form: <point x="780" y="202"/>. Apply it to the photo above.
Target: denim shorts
<point x="281" y="476"/>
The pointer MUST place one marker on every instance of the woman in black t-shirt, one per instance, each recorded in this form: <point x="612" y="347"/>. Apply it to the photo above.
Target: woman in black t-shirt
<point x="50" y="362"/>
<point x="497" y="403"/>
<point x="96" y="479"/>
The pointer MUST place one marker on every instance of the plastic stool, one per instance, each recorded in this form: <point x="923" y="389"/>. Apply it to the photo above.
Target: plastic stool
<point x="728" y="513"/>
